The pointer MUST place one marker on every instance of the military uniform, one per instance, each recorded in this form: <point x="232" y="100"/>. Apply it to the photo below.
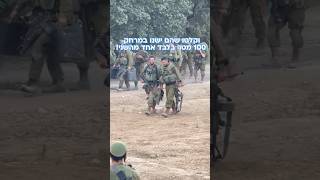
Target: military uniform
<point x="119" y="170"/>
<point x="139" y="62"/>
<point x="238" y="15"/>
<point x="45" y="49"/>
<point x="291" y="12"/>
<point x="199" y="64"/>
<point x="176" y="57"/>
<point x="124" y="62"/>
<point x="187" y="61"/>
<point x="170" y="76"/>
<point x="123" y="172"/>
<point x="150" y="76"/>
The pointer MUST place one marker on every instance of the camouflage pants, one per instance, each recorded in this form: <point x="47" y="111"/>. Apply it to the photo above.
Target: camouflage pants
<point x="122" y="75"/>
<point x="43" y="50"/>
<point x="153" y="95"/>
<point x="186" y="62"/>
<point x="238" y="15"/>
<point x="170" y="95"/>
<point x="199" y="66"/>
<point x="295" y="20"/>
<point x="139" y="68"/>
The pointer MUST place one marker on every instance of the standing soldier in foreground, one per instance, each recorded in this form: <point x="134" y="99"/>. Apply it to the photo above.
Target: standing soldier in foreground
<point x="170" y="76"/>
<point x="124" y="62"/>
<point x="118" y="154"/>
<point x="199" y="63"/>
<point x="139" y="60"/>
<point x="150" y="77"/>
<point x="291" y="12"/>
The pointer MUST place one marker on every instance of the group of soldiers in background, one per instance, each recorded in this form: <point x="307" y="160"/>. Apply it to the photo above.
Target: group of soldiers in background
<point x="229" y="18"/>
<point x="154" y="75"/>
<point x="44" y="19"/>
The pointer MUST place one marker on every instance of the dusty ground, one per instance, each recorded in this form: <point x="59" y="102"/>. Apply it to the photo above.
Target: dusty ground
<point x="51" y="136"/>
<point x="176" y="147"/>
<point x="275" y="132"/>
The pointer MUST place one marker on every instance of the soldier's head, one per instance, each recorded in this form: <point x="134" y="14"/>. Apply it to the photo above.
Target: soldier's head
<point x="151" y="59"/>
<point x="118" y="151"/>
<point x="165" y="61"/>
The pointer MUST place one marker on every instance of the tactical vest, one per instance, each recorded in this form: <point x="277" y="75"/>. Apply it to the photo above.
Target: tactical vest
<point x="151" y="73"/>
<point x="168" y="74"/>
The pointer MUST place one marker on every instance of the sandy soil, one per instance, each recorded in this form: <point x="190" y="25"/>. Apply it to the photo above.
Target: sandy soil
<point x="176" y="147"/>
<point x="275" y="131"/>
<point x="51" y="136"/>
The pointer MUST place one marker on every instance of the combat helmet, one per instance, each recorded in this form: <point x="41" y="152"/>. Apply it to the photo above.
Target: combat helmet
<point x="118" y="149"/>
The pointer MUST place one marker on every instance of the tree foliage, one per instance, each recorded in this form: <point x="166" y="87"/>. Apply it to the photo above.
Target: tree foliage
<point x="158" y="18"/>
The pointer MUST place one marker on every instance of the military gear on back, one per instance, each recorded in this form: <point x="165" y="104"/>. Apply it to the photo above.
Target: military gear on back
<point x="118" y="149"/>
<point x="170" y="74"/>
<point x="124" y="172"/>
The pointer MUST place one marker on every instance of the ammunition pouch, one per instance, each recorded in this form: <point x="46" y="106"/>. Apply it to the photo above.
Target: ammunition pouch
<point x="169" y="79"/>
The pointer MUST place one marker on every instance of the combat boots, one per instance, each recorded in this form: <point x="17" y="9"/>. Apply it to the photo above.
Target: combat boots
<point x="149" y="111"/>
<point x="166" y="113"/>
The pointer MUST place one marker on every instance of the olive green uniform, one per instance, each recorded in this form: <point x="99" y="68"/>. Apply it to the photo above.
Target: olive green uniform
<point x="169" y="76"/>
<point x="199" y="64"/>
<point x="282" y="13"/>
<point x="123" y="172"/>
<point x="150" y="76"/>
<point x="187" y="61"/>
<point x="238" y="15"/>
<point x="139" y="62"/>
<point x="124" y="62"/>
<point x="43" y="48"/>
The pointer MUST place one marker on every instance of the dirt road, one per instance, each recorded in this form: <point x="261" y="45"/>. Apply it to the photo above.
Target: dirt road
<point x="51" y="136"/>
<point x="176" y="147"/>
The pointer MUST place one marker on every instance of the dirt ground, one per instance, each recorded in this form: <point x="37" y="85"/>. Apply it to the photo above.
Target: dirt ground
<point x="176" y="147"/>
<point x="275" y="132"/>
<point x="51" y="136"/>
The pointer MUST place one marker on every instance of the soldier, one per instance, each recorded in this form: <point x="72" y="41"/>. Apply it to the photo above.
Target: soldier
<point x="170" y="76"/>
<point x="124" y="61"/>
<point x="118" y="154"/>
<point x="199" y="63"/>
<point x="187" y="61"/>
<point x="44" y="47"/>
<point x="139" y="60"/>
<point x="175" y="56"/>
<point x="238" y="15"/>
<point x="150" y="77"/>
<point x="291" y="12"/>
